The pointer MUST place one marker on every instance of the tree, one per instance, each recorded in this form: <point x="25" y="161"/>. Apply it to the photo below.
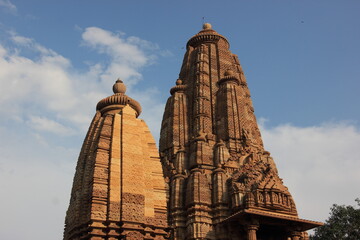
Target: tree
<point x="343" y="224"/>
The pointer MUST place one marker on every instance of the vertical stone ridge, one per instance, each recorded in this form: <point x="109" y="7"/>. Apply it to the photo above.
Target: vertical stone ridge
<point x="115" y="180"/>
<point x="76" y="208"/>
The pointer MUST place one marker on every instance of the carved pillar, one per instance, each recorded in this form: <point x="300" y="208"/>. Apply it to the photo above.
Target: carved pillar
<point x="304" y="236"/>
<point x="295" y="235"/>
<point x="251" y="231"/>
<point x="202" y="97"/>
<point x="180" y="161"/>
<point x="177" y="217"/>
<point x="198" y="202"/>
<point x="228" y="111"/>
<point x="220" y="202"/>
<point x="221" y="154"/>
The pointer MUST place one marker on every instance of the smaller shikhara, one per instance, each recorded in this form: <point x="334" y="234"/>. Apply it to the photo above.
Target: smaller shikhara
<point x="118" y="190"/>
<point x="222" y="183"/>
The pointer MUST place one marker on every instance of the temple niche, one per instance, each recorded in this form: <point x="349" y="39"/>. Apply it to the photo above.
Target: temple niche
<point x="222" y="183"/>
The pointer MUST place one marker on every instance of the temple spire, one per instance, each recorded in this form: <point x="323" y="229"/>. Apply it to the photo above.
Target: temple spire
<point x="118" y="190"/>
<point x="210" y="133"/>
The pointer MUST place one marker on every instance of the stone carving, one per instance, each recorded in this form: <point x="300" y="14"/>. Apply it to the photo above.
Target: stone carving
<point x="260" y="181"/>
<point x="134" y="235"/>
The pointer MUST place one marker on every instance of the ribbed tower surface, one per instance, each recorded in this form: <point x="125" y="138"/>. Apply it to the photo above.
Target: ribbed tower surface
<point x="222" y="183"/>
<point x="118" y="190"/>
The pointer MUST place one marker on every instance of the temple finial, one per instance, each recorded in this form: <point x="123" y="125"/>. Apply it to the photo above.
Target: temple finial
<point x="207" y="26"/>
<point x="119" y="86"/>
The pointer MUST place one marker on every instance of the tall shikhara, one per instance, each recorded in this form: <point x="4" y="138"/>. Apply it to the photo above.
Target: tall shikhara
<point x="118" y="190"/>
<point x="222" y="183"/>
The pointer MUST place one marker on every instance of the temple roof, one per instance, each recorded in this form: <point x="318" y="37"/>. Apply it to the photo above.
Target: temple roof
<point x="118" y="100"/>
<point x="207" y="34"/>
<point x="270" y="218"/>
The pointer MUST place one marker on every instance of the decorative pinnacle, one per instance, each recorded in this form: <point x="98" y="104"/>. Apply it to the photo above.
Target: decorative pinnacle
<point x="119" y="87"/>
<point x="207" y="26"/>
<point x="118" y="100"/>
<point x="178" y="82"/>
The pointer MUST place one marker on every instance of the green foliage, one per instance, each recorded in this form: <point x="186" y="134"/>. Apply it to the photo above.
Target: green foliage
<point x="343" y="224"/>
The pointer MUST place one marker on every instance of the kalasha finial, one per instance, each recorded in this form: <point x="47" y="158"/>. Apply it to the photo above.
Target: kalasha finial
<point x="207" y="26"/>
<point x="119" y="87"/>
<point x="178" y="82"/>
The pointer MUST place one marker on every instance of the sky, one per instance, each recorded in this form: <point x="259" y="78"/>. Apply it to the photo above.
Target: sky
<point x="59" y="58"/>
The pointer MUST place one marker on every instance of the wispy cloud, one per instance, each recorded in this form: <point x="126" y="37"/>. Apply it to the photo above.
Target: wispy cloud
<point x="128" y="55"/>
<point x="320" y="164"/>
<point x="48" y="125"/>
<point x="8" y="5"/>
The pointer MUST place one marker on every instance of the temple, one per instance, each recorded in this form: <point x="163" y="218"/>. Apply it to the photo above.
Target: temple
<point x="222" y="183"/>
<point x="211" y="179"/>
<point x="118" y="190"/>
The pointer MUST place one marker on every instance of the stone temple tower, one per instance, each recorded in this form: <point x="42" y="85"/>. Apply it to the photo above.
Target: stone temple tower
<point x="222" y="184"/>
<point x="118" y="190"/>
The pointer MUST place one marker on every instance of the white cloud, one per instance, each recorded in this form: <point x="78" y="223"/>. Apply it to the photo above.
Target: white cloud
<point x="128" y="55"/>
<point x="45" y="124"/>
<point x="320" y="164"/>
<point x="123" y="51"/>
<point x="8" y="5"/>
<point x="21" y="40"/>
<point x="48" y="82"/>
<point x="43" y="83"/>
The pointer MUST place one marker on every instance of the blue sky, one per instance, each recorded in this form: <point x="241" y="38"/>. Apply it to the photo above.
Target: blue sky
<point x="58" y="59"/>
